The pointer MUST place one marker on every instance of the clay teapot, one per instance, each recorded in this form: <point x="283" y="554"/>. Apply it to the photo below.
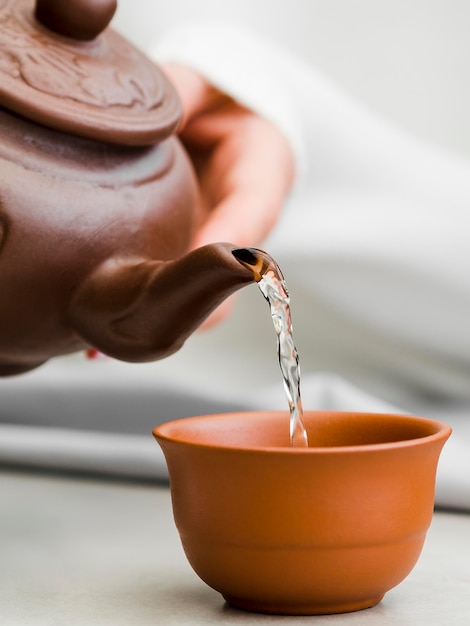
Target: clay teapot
<point x="97" y="196"/>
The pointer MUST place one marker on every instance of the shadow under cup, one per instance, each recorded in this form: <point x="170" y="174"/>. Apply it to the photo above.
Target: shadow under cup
<point x="324" y="529"/>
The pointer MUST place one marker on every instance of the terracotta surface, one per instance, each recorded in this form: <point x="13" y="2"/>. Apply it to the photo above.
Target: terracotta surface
<point x="104" y="89"/>
<point x="326" y="529"/>
<point x="78" y="19"/>
<point x="96" y="196"/>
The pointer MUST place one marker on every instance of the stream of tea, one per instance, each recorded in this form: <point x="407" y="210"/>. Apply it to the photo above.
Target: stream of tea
<point x="273" y="287"/>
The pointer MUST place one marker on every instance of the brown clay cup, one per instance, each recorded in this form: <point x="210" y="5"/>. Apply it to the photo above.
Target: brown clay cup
<point x="286" y="530"/>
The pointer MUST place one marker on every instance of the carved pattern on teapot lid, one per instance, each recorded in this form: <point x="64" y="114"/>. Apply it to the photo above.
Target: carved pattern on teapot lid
<point x="89" y="83"/>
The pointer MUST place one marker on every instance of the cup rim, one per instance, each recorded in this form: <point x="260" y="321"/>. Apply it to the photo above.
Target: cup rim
<point x="439" y="431"/>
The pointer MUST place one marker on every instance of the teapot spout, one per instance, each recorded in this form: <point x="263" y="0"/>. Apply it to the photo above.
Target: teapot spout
<point x="256" y="260"/>
<point x="138" y="310"/>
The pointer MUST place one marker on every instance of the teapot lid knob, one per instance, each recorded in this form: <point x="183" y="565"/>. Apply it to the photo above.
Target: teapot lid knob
<point x="62" y="67"/>
<point x="78" y="19"/>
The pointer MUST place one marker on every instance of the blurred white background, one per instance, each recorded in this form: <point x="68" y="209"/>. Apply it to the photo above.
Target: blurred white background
<point x="407" y="59"/>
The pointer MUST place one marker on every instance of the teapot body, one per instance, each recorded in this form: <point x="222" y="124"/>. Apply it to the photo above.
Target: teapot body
<point x="98" y="200"/>
<point x="67" y="205"/>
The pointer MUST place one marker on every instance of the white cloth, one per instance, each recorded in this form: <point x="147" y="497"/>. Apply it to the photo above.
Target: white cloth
<point x="375" y="236"/>
<point x="373" y="244"/>
<point x="98" y="419"/>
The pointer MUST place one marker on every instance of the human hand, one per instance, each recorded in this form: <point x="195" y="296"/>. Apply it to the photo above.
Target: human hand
<point x="244" y="165"/>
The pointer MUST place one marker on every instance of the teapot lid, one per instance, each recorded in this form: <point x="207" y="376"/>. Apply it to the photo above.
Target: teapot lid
<point x="60" y="66"/>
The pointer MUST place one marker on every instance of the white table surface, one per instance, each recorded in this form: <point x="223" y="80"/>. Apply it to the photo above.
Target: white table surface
<point x="78" y="551"/>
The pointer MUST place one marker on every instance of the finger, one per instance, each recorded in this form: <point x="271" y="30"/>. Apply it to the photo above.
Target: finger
<point x="241" y="219"/>
<point x="220" y="314"/>
<point x="196" y="94"/>
<point x="250" y="194"/>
